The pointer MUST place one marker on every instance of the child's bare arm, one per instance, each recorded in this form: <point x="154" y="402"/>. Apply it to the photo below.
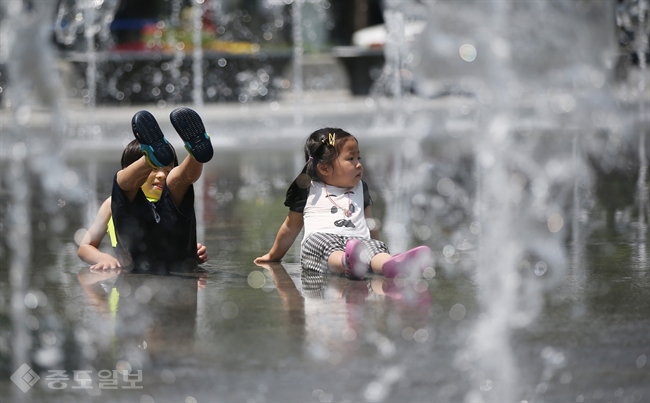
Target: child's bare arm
<point x="287" y="234"/>
<point x="374" y="232"/>
<point x="89" y="247"/>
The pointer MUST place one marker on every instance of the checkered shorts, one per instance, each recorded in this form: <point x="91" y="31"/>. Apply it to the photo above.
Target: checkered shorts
<point x="317" y="248"/>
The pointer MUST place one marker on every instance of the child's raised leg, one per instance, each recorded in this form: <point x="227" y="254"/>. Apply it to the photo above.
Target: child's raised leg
<point x="190" y="128"/>
<point x="131" y="178"/>
<point x="157" y="151"/>
<point x="182" y="177"/>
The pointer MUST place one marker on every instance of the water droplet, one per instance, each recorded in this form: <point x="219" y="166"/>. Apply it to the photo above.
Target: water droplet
<point x="256" y="279"/>
<point x="349" y="334"/>
<point x="23" y="115"/>
<point x="19" y="150"/>
<point x="168" y="377"/>
<point x="486" y="159"/>
<point x="407" y="333"/>
<point x="445" y="187"/>
<point x="457" y="312"/>
<point x="374" y="391"/>
<point x="448" y="251"/>
<point x="421" y="285"/>
<point x="229" y="310"/>
<point x="303" y="181"/>
<point x="143" y="294"/>
<point x="486" y="386"/>
<point x="32" y="322"/>
<point x="467" y="52"/>
<point x="563" y="103"/>
<point x="547" y="352"/>
<point x="31" y="301"/>
<point x="421" y="335"/>
<point x="429" y="273"/>
<point x="555" y="222"/>
<point x="540" y="268"/>
<point x="122" y="366"/>
<point x="70" y="179"/>
<point x="566" y="378"/>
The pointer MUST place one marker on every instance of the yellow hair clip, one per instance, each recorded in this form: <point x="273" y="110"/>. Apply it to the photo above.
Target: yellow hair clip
<point x="331" y="139"/>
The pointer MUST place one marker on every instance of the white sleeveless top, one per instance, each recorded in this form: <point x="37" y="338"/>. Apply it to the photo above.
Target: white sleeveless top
<point x="340" y="214"/>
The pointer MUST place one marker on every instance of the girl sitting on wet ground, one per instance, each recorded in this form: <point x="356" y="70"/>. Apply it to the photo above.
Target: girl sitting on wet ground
<point x="331" y="201"/>
<point x="150" y="214"/>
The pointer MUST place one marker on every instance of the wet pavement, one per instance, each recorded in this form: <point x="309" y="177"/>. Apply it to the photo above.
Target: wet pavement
<point x="245" y="333"/>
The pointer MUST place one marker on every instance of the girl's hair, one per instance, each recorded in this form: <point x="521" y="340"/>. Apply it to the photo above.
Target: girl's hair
<point x="132" y="153"/>
<point x="321" y="147"/>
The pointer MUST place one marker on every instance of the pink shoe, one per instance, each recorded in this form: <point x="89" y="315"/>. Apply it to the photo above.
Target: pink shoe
<point x="355" y="260"/>
<point x="410" y="262"/>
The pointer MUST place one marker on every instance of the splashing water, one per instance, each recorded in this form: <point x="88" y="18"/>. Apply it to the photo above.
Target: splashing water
<point x="528" y="119"/>
<point x="495" y="202"/>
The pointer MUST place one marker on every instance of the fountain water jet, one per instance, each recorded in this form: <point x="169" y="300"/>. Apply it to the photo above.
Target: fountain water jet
<point x="197" y="54"/>
<point x="641" y="36"/>
<point x="529" y="110"/>
<point x="33" y="146"/>
<point x="298" y="51"/>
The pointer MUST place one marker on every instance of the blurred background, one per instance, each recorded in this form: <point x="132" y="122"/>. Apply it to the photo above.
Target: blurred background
<point x="511" y="137"/>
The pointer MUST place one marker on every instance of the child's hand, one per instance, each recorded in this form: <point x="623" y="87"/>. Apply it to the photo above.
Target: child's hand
<point x="100" y="274"/>
<point x="107" y="262"/>
<point x="201" y="253"/>
<point x="263" y="264"/>
<point x="264" y="259"/>
<point x="89" y="276"/>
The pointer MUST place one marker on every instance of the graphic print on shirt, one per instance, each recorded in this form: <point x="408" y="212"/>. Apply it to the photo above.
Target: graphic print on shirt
<point x="344" y="223"/>
<point x="155" y="213"/>
<point x="320" y="216"/>
<point x="346" y="212"/>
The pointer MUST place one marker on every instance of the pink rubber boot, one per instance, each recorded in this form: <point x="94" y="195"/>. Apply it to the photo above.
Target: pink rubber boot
<point x="413" y="261"/>
<point x="355" y="260"/>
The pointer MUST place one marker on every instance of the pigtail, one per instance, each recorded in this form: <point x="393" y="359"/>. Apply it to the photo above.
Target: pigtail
<point x="299" y="188"/>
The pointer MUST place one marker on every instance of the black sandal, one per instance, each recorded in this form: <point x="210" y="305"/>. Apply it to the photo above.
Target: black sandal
<point x="190" y="127"/>
<point x="154" y="145"/>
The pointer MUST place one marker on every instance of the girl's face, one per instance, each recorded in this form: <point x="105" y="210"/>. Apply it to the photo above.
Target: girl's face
<point x="153" y="186"/>
<point x="347" y="170"/>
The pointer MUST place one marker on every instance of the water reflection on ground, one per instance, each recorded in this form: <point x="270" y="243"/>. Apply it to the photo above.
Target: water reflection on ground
<point x="252" y="333"/>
